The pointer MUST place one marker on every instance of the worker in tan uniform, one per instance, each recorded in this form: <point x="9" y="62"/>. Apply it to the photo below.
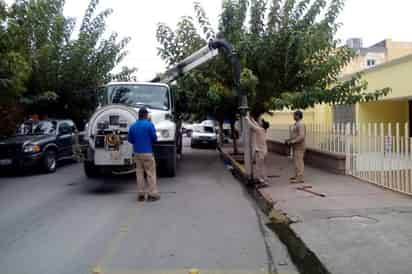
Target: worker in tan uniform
<point x="260" y="148"/>
<point x="297" y="142"/>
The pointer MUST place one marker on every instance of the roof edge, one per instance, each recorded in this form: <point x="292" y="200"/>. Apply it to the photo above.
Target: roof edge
<point x="393" y="62"/>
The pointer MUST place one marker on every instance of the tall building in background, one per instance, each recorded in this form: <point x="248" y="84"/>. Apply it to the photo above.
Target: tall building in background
<point x="379" y="53"/>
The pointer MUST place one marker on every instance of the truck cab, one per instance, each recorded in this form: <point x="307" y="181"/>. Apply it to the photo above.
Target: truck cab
<point x="107" y="130"/>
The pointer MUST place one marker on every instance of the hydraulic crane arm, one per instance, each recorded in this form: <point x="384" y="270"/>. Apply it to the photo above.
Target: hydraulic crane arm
<point x="202" y="56"/>
<point x="193" y="61"/>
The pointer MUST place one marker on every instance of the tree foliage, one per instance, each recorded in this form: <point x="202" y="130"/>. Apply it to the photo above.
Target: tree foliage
<point x="14" y="69"/>
<point x="55" y="69"/>
<point x="289" y="54"/>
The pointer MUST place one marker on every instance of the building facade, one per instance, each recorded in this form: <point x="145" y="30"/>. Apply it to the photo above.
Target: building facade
<point x="385" y="64"/>
<point x="379" y="53"/>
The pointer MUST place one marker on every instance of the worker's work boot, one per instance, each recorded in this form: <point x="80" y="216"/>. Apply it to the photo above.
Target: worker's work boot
<point x="153" y="198"/>
<point x="297" y="181"/>
<point x="141" y="197"/>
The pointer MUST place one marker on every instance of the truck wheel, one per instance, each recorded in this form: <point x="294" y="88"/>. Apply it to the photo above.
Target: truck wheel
<point x="180" y="146"/>
<point x="91" y="170"/>
<point x="50" y="161"/>
<point x="170" y="166"/>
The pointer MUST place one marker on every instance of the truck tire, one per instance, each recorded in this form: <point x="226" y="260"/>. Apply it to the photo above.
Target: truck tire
<point x="170" y="166"/>
<point x="180" y="145"/>
<point x="91" y="170"/>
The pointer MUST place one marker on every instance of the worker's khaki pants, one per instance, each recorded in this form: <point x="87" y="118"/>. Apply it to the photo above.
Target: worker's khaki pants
<point x="298" y="161"/>
<point x="145" y="163"/>
<point x="260" y="169"/>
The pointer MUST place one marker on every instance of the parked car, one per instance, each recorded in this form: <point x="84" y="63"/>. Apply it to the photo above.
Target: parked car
<point x="40" y="144"/>
<point x="204" y="135"/>
<point x="187" y="129"/>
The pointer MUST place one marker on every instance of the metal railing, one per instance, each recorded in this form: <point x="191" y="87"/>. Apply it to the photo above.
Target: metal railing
<point x="379" y="153"/>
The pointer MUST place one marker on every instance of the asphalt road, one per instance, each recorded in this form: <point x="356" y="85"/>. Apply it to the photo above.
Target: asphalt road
<point x="50" y="224"/>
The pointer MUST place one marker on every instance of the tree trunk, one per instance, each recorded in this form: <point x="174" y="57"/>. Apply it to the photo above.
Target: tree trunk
<point x="221" y="139"/>
<point x="234" y="134"/>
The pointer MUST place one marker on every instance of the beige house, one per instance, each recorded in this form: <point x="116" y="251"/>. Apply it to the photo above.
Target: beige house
<point x="379" y="53"/>
<point x="385" y="57"/>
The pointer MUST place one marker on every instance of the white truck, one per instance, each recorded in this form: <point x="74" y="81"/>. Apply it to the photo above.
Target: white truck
<point x="106" y="134"/>
<point x="108" y="150"/>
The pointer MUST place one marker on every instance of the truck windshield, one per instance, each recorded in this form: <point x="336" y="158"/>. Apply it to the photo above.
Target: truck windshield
<point x="155" y="97"/>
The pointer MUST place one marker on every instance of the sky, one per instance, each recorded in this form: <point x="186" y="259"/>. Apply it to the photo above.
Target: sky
<point x="371" y="20"/>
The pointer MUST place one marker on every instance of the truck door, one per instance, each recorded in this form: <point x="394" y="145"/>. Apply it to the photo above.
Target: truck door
<point x="65" y="139"/>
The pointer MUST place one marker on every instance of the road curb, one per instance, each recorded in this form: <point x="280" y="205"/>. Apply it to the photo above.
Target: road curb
<point x="305" y="259"/>
<point x="263" y="198"/>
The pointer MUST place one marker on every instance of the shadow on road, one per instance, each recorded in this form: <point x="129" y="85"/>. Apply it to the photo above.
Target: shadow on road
<point x="32" y="171"/>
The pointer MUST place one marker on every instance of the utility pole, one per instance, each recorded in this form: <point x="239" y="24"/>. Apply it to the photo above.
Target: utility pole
<point x="243" y="107"/>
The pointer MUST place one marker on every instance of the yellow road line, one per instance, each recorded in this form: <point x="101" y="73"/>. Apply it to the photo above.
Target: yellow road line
<point x="114" y="243"/>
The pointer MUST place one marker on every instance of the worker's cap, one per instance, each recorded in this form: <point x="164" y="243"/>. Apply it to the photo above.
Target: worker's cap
<point x="298" y="113"/>
<point x="143" y="111"/>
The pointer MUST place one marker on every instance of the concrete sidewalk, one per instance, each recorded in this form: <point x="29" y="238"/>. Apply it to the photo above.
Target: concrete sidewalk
<point x="356" y="228"/>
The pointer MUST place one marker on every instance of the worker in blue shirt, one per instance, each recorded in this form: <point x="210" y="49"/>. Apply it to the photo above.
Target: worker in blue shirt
<point x="142" y="134"/>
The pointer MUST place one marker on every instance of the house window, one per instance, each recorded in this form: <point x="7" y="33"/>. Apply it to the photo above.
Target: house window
<point x="344" y="114"/>
<point x="370" y="63"/>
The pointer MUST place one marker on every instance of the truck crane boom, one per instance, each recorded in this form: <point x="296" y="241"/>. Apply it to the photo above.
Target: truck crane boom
<point x="198" y="58"/>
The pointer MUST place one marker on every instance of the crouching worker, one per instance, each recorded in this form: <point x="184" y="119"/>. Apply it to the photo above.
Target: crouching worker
<point x="260" y="148"/>
<point x="142" y="134"/>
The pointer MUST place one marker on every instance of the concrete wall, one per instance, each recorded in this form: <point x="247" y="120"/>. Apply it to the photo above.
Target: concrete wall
<point x="387" y="111"/>
<point x="331" y="162"/>
<point x="320" y="114"/>
<point x="395" y="74"/>
<point x="396" y="50"/>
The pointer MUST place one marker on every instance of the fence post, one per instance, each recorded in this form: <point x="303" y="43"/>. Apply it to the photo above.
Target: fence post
<point x="383" y="153"/>
<point x="390" y="149"/>
<point x="348" y="157"/>
<point x="375" y="152"/>
<point x="409" y="164"/>
<point x="406" y="159"/>
<point x="369" y="152"/>
<point x="359" y="151"/>
<point x="396" y="160"/>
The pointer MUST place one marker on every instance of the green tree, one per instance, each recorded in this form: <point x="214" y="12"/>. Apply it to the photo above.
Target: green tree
<point x="208" y="90"/>
<point x="14" y="70"/>
<point x="295" y="56"/>
<point x="289" y="54"/>
<point x="64" y="70"/>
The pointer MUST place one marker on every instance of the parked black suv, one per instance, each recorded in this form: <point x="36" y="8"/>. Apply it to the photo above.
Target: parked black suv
<point x="39" y="144"/>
